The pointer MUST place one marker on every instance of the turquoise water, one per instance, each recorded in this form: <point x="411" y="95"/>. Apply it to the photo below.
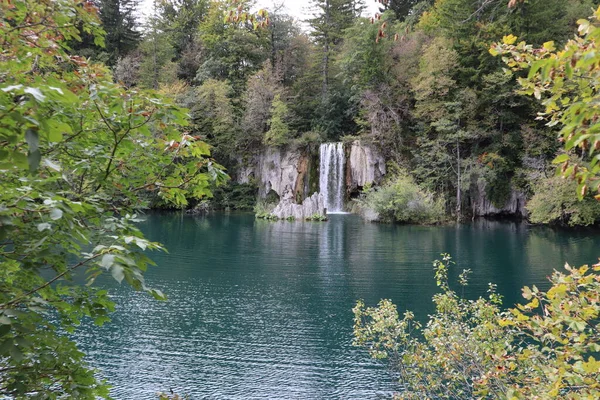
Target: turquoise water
<point x="261" y="310"/>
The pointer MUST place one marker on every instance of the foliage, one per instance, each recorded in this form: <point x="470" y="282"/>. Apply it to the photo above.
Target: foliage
<point x="213" y="116"/>
<point x="554" y="202"/>
<point x="417" y="79"/>
<point x="279" y="131"/>
<point x="233" y="50"/>
<point x="122" y="31"/>
<point x="236" y="196"/>
<point x="264" y="210"/>
<point x="79" y="155"/>
<point x="566" y="82"/>
<point x="400" y="199"/>
<point x="401" y="8"/>
<point x="258" y="99"/>
<point x="473" y="349"/>
<point x="317" y="217"/>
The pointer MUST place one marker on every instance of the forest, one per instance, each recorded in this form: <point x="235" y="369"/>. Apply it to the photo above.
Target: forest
<point x="416" y="79"/>
<point x="104" y="114"/>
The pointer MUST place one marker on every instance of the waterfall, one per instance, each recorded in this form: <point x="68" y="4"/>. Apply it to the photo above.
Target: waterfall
<point x="331" y="178"/>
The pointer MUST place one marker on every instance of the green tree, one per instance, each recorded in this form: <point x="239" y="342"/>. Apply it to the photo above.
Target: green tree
<point x="332" y="17"/>
<point x="122" y="30"/>
<point x="179" y="20"/>
<point x="401" y="8"/>
<point x="258" y="102"/>
<point x="554" y="202"/>
<point x="79" y="155"/>
<point x="279" y="131"/>
<point x="566" y="83"/>
<point x="214" y="119"/>
<point x="233" y="48"/>
<point x="156" y="64"/>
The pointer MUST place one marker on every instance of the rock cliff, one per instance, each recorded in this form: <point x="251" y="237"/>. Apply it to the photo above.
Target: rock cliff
<point x="483" y="207"/>
<point x="277" y="169"/>
<point x="365" y="165"/>
<point x="310" y="207"/>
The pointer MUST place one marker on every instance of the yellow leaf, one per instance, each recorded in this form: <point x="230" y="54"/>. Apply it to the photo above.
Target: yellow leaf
<point x="509" y="39"/>
<point x="549" y="46"/>
<point x="591" y="366"/>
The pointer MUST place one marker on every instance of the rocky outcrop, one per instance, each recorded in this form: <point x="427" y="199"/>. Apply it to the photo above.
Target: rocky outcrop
<point x="275" y="169"/>
<point x="310" y="207"/>
<point x="483" y="207"/>
<point x="365" y="165"/>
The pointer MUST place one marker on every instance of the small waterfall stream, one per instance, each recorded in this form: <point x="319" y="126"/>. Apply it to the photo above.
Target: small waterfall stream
<point x="331" y="177"/>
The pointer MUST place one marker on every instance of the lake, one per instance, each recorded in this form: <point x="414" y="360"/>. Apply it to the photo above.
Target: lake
<point x="262" y="310"/>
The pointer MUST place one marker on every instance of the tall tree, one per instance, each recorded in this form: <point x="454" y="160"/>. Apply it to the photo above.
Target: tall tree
<point x="179" y="20"/>
<point x="233" y="49"/>
<point x="122" y="30"/>
<point x="401" y="8"/>
<point x="332" y="17"/>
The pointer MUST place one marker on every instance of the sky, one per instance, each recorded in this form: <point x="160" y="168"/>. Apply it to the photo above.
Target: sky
<point x="299" y="9"/>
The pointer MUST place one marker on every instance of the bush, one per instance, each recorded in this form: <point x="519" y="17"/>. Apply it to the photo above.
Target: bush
<point x="402" y="200"/>
<point x="236" y="196"/>
<point x="472" y="349"/>
<point x="554" y="203"/>
<point x="264" y="210"/>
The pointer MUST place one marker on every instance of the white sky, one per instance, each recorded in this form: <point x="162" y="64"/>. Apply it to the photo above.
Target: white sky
<point x="299" y="9"/>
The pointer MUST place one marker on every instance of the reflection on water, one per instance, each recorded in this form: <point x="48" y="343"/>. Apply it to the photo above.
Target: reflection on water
<point x="262" y="309"/>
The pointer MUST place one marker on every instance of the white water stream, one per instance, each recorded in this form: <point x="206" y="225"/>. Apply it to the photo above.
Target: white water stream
<point x="331" y="177"/>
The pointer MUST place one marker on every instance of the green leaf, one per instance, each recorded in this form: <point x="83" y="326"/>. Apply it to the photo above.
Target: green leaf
<point x="33" y="140"/>
<point x="33" y="159"/>
<point x="561" y="159"/>
<point x="16" y="353"/>
<point x="56" y="214"/>
<point x="4" y="329"/>
<point x="36" y="93"/>
<point x="117" y="272"/>
<point x="107" y="261"/>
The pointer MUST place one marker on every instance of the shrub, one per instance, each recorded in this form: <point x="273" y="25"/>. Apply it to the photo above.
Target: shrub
<point x="236" y="196"/>
<point x="472" y="349"/>
<point x="264" y="210"/>
<point x="554" y="203"/>
<point x="402" y="200"/>
<point x="317" y="217"/>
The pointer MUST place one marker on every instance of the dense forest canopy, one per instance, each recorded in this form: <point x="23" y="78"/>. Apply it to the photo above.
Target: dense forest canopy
<point x="416" y="79"/>
<point x="102" y="117"/>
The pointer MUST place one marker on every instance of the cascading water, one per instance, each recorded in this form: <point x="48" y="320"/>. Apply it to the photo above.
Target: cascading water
<point x="331" y="178"/>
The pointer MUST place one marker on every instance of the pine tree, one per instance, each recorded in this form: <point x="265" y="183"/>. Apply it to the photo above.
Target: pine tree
<point x="331" y="19"/>
<point x="119" y="22"/>
<point x="400" y="7"/>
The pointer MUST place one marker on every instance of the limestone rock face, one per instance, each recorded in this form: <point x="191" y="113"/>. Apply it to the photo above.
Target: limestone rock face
<point x="365" y="165"/>
<point x="483" y="207"/>
<point x="313" y="205"/>
<point x="276" y="169"/>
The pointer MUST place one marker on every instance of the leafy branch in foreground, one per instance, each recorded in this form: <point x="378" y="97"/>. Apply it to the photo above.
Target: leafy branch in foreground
<point x="567" y="82"/>
<point x="472" y="349"/>
<point x="79" y="155"/>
